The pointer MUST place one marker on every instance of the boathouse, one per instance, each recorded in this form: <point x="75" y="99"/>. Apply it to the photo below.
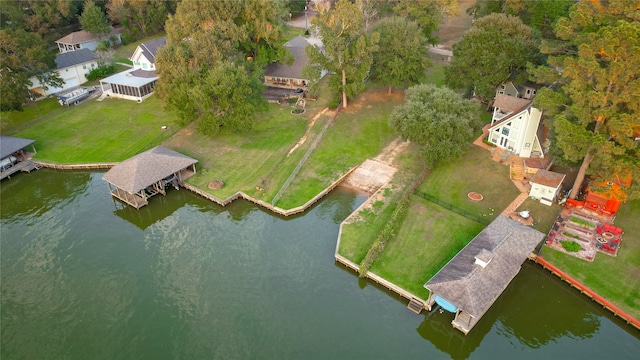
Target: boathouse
<point x="474" y="279"/>
<point x="15" y="155"/>
<point x="138" y="178"/>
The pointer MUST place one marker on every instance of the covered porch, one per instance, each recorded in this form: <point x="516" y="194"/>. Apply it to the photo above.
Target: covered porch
<point x="133" y="84"/>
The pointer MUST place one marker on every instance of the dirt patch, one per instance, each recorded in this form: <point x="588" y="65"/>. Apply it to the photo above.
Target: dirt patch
<point x="452" y="28"/>
<point x="371" y="97"/>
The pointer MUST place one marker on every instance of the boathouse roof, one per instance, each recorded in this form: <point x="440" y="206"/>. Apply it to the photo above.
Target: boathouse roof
<point x="9" y="145"/>
<point x="474" y="285"/>
<point x="147" y="168"/>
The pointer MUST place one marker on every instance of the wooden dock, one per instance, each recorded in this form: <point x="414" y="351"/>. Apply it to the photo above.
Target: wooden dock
<point x="130" y="199"/>
<point x="23" y="166"/>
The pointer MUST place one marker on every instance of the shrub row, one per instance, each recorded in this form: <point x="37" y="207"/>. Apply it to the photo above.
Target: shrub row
<point x="388" y="233"/>
<point x="101" y="72"/>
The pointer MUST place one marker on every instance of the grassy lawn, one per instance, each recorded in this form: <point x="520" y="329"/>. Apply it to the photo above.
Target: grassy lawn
<point x="435" y="74"/>
<point x="12" y="121"/>
<point x="359" y="132"/>
<point x="430" y="236"/>
<point x="257" y="158"/>
<point x="543" y="216"/>
<point x="110" y="130"/>
<point x="615" y="278"/>
<point x="451" y="182"/>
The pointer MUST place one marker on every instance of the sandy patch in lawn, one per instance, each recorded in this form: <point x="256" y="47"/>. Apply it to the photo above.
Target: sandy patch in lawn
<point x="452" y="28"/>
<point x="371" y="97"/>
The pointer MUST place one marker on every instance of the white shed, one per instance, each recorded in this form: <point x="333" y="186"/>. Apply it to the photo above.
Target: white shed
<point x="545" y="186"/>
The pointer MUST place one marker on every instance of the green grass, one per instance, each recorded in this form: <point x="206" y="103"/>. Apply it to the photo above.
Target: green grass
<point x="244" y="161"/>
<point x="123" y="53"/>
<point x="290" y="32"/>
<point x="428" y="239"/>
<point x="451" y="181"/>
<point x="435" y="74"/>
<point x="11" y="121"/>
<point x="543" y="216"/>
<point x="106" y="131"/>
<point x="615" y="278"/>
<point x="355" y="136"/>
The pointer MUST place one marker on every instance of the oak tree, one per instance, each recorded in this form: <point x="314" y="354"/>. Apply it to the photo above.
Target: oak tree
<point x="438" y="120"/>
<point x="347" y="49"/>
<point x="94" y="20"/>
<point x="402" y="57"/>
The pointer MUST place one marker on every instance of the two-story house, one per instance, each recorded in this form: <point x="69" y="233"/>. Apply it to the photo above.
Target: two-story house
<point x="83" y="40"/>
<point x="72" y="67"/>
<point x="514" y="126"/>
<point x="144" y="56"/>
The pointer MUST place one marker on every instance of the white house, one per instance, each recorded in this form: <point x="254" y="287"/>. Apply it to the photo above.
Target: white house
<point x="545" y="186"/>
<point x="145" y="54"/>
<point x="72" y="67"/>
<point x="514" y="126"/>
<point x="139" y="82"/>
<point x="526" y="91"/>
<point x="82" y="40"/>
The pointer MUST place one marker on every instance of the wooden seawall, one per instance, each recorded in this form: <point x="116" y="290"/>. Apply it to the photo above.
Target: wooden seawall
<point x="93" y="166"/>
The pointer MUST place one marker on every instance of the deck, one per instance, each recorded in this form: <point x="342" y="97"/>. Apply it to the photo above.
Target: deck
<point x="134" y="200"/>
<point x="24" y="166"/>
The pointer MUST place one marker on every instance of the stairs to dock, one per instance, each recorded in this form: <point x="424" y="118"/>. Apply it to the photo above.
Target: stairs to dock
<point x="415" y="306"/>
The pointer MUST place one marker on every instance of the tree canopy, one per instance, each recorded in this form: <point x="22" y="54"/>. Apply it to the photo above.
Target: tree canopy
<point x="94" y="20"/>
<point x="496" y="48"/>
<point x="204" y="72"/>
<point x="402" y="57"/>
<point x="597" y="105"/>
<point x="427" y="13"/>
<point x="39" y="16"/>
<point x="23" y="54"/>
<point x="347" y="48"/>
<point x="140" y="17"/>
<point x="438" y="120"/>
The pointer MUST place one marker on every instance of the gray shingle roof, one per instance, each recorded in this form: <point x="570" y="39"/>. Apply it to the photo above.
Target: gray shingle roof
<point x="9" y="145"/>
<point x="294" y="70"/>
<point x="150" y="48"/>
<point x="472" y="288"/>
<point x="147" y="168"/>
<point x="74" y="58"/>
<point x="82" y="36"/>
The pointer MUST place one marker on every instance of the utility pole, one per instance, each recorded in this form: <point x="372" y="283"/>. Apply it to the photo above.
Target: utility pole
<point x="306" y="23"/>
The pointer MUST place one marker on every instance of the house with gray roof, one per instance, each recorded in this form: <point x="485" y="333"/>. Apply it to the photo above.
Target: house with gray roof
<point x="144" y="57"/>
<point x="72" y="67"/>
<point x="289" y="76"/>
<point x="474" y="279"/>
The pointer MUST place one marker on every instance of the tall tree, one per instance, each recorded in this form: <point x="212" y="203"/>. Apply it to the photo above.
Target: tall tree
<point x="497" y="47"/>
<point x="438" y="120"/>
<point x="139" y="17"/>
<point x="263" y="21"/>
<point x="40" y="16"/>
<point x="94" y="20"/>
<point x="347" y="48"/>
<point x="23" y="54"/>
<point x="402" y="57"/>
<point x="204" y="75"/>
<point x="598" y="103"/>
<point x="427" y="13"/>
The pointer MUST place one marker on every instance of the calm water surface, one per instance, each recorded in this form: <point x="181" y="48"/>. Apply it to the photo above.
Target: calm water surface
<point x="84" y="277"/>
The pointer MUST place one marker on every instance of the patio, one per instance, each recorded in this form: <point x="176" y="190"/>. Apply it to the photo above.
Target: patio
<point x="592" y="231"/>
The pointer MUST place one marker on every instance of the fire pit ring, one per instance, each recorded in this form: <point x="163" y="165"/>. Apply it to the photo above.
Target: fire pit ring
<point x="607" y="235"/>
<point x="474" y="196"/>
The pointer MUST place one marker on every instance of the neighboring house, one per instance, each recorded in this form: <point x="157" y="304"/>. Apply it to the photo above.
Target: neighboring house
<point x="545" y="186"/>
<point x="145" y="55"/>
<point x="286" y="76"/>
<point x="525" y="91"/>
<point x="474" y="279"/>
<point x="137" y="83"/>
<point x="72" y="67"/>
<point x="83" y="40"/>
<point x="514" y="126"/>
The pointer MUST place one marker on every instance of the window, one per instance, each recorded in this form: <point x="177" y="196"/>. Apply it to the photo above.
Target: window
<point x="528" y="91"/>
<point x="144" y="66"/>
<point x="505" y="131"/>
<point x="502" y="87"/>
<point x="84" y="66"/>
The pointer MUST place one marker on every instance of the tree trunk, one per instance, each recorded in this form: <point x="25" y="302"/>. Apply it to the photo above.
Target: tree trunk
<point x="389" y="90"/>
<point x="344" y="89"/>
<point x="581" y="173"/>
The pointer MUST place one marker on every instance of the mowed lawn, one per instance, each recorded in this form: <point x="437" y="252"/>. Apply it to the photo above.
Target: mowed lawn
<point x="452" y="180"/>
<point x="255" y="161"/>
<point x="99" y="131"/>
<point x="615" y="278"/>
<point x="430" y="236"/>
<point x="358" y="133"/>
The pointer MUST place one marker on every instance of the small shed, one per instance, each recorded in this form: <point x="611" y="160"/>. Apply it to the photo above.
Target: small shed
<point x="474" y="279"/>
<point x="138" y="178"/>
<point x="545" y="186"/>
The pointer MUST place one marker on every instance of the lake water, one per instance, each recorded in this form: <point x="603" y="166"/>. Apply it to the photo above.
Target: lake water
<point x="84" y="277"/>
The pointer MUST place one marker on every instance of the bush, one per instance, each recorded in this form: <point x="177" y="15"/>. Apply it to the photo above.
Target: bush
<point x="334" y="103"/>
<point x="571" y="246"/>
<point x="101" y="72"/>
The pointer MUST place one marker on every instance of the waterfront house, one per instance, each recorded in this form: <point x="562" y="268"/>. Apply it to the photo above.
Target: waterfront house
<point x="83" y="40"/>
<point x="514" y="126"/>
<point x="289" y="76"/>
<point x="72" y="67"/>
<point x="144" y="57"/>
<point x="472" y="281"/>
